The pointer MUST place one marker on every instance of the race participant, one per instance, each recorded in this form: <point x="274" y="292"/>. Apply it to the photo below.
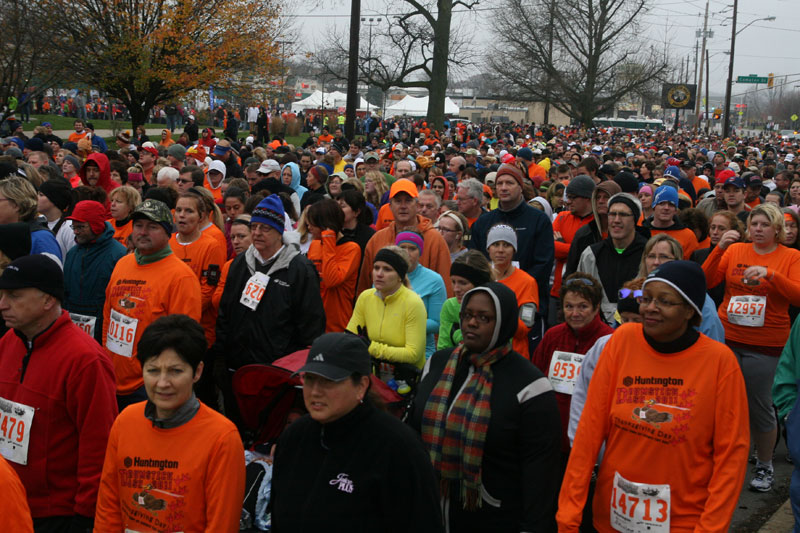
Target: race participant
<point x="761" y="281"/>
<point x="565" y="226"/>
<point x="661" y="249"/>
<point x="489" y="421"/>
<point x="348" y="458"/>
<point x="200" y="252"/>
<point x="501" y="243"/>
<point x="404" y="206"/>
<point x="734" y="192"/>
<point x="597" y="229"/>
<point x="453" y="225"/>
<point x="15" y="515"/>
<point x="670" y="405"/>
<point x="784" y="396"/>
<point x="241" y="239"/>
<point x="615" y="260"/>
<point x="53" y="202"/>
<point x="271" y="305"/>
<point x="18" y="204"/>
<point x="57" y="404"/>
<point x="88" y="266"/>
<point x="627" y="311"/>
<point x="560" y="354"/>
<point x="145" y="285"/>
<point x="721" y="222"/>
<point x="468" y="271"/>
<point x="123" y="200"/>
<point x="390" y="317"/>
<point x="426" y="283"/>
<point x="187" y="472"/>
<point x="664" y="220"/>
<point x="535" y="254"/>
<point x="336" y="259"/>
<point x="357" y="219"/>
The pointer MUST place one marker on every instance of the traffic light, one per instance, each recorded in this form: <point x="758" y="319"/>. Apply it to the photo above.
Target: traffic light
<point x="717" y="114"/>
<point x="771" y="80"/>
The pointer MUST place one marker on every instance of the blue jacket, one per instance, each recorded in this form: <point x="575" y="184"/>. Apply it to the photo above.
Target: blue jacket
<point x="43" y="241"/>
<point x="87" y="270"/>
<point x="536" y="251"/>
<point x="429" y="285"/>
<point x="295" y="184"/>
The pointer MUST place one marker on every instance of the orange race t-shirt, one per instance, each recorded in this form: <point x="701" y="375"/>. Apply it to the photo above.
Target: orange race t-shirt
<point x="527" y="291"/>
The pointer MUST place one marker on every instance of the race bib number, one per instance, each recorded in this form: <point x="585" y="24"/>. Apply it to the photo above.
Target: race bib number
<point x="564" y="370"/>
<point x="85" y="322"/>
<point x="639" y="507"/>
<point x="15" y="430"/>
<point x="121" y="332"/>
<point x="254" y="290"/>
<point x="748" y="310"/>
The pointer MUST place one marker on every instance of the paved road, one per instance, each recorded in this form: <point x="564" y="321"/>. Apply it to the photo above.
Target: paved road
<point x="754" y="508"/>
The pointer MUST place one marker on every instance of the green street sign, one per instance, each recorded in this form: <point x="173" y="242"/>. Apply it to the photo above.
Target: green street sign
<point x="752" y="79"/>
<point x="794" y="117"/>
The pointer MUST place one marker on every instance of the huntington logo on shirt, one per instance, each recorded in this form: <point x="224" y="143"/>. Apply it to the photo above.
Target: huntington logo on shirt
<point x="343" y="483"/>
<point x="661" y="407"/>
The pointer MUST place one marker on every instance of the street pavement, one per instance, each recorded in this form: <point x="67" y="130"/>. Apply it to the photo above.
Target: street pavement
<point x="755" y="509"/>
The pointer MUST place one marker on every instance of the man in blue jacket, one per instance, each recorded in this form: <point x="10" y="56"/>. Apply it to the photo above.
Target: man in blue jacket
<point x="534" y="230"/>
<point x="89" y="265"/>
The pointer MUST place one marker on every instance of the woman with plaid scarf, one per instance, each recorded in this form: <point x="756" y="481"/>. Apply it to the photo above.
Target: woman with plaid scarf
<point x="490" y="422"/>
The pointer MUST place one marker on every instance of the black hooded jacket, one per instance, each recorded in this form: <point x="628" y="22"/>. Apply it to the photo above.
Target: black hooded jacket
<point x="521" y="456"/>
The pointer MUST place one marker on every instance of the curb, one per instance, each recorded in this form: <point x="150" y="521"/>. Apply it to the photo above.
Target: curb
<point x="781" y="521"/>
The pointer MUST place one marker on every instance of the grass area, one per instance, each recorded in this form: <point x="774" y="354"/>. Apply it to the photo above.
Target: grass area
<point x="65" y="123"/>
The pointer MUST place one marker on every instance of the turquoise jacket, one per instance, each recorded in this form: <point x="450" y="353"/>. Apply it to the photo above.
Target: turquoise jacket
<point x="429" y="285"/>
<point x="787" y="374"/>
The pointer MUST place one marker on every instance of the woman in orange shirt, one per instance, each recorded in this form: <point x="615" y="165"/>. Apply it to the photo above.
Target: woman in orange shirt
<point x="762" y="278"/>
<point x="671" y="407"/>
<point x="336" y="258"/>
<point x="200" y="252"/>
<point x="501" y="243"/>
<point x="123" y="200"/>
<point x="187" y="471"/>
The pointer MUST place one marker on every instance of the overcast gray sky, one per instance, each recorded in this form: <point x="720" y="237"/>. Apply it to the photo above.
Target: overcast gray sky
<point x="761" y="48"/>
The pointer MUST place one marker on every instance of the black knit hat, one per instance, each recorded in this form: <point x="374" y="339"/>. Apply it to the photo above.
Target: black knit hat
<point x="686" y="277"/>
<point x="58" y="191"/>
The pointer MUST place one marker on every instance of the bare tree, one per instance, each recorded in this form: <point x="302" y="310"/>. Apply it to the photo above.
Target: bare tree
<point x="33" y="59"/>
<point x="580" y="56"/>
<point x="413" y="50"/>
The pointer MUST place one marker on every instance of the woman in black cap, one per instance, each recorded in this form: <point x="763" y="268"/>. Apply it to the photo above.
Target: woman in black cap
<point x="490" y="422"/>
<point x="671" y="406"/>
<point x="348" y="466"/>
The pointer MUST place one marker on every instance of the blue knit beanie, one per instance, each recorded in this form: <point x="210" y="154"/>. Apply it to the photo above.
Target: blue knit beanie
<point x="270" y="211"/>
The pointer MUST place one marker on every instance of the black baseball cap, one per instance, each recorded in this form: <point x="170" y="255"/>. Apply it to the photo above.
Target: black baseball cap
<point x="36" y="271"/>
<point x="337" y="356"/>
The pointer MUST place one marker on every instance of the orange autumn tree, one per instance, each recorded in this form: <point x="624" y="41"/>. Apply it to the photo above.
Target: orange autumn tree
<point x="148" y="52"/>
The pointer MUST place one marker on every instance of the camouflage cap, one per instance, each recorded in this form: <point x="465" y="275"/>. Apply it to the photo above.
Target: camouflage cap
<point x="156" y="211"/>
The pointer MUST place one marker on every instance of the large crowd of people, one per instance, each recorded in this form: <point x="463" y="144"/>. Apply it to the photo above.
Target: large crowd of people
<point x="590" y="329"/>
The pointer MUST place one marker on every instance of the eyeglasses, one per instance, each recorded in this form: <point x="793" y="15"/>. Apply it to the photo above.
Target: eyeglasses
<point x="619" y="214"/>
<point x="79" y="227"/>
<point x="661" y="303"/>
<point x="258" y="227"/>
<point x="661" y="257"/>
<point x="466" y="316"/>
<point x="185" y="181"/>
<point x="626" y="293"/>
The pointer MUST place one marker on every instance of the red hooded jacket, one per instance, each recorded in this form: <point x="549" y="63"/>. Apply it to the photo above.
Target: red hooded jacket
<point x="105" y="180"/>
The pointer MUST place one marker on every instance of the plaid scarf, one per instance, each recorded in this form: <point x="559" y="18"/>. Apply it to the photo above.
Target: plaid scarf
<point x="455" y="439"/>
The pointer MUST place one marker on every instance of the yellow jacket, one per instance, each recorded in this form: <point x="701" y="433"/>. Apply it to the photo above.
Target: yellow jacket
<point x="395" y="326"/>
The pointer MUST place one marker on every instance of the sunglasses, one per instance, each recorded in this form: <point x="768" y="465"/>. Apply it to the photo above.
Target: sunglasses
<point x="627" y="293"/>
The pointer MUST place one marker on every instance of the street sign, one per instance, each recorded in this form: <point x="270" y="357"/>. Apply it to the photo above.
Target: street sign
<point x="741" y="113"/>
<point x="752" y="79"/>
<point x="794" y="117"/>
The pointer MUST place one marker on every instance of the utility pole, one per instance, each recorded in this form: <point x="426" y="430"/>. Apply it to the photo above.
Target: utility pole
<point x="695" y="62"/>
<point x="703" y="56"/>
<point x="708" y="102"/>
<point x="372" y="22"/>
<point x="352" y="70"/>
<point x="726" y="123"/>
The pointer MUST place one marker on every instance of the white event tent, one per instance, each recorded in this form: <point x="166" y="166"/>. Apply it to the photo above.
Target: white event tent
<point x="332" y="100"/>
<point x="418" y="107"/>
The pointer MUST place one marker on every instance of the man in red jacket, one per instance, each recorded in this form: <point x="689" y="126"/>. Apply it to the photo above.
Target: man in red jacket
<point x="57" y="398"/>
